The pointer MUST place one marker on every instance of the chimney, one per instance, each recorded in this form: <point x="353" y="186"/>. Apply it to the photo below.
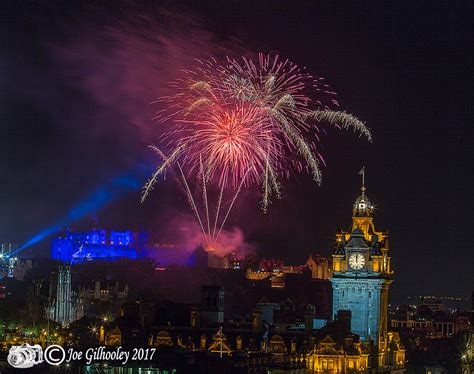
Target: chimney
<point x="97" y="290"/>
<point x="309" y="314"/>
<point x="203" y="342"/>
<point x="257" y="320"/>
<point x="238" y="343"/>
<point x="472" y="310"/>
<point x="345" y="317"/>
<point x="194" y="316"/>
<point x="293" y="345"/>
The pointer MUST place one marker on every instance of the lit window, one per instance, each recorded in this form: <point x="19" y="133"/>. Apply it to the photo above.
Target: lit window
<point x="324" y="364"/>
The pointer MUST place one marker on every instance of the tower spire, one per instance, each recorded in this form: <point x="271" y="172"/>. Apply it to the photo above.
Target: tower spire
<point x="362" y="172"/>
<point x="362" y="207"/>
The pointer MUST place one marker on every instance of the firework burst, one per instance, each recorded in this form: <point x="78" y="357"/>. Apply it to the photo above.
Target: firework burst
<point x="231" y="144"/>
<point x="245" y="122"/>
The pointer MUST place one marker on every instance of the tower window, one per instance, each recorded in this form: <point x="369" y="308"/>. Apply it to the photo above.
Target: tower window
<point x="370" y="293"/>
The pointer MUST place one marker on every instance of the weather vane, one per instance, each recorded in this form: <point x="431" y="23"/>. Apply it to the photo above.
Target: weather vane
<point x="362" y="172"/>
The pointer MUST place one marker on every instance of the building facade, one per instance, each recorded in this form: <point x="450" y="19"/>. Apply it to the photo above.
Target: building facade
<point x="77" y="247"/>
<point x="361" y="277"/>
<point x="64" y="308"/>
<point x="362" y="274"/>
<point x="212" y="304"/>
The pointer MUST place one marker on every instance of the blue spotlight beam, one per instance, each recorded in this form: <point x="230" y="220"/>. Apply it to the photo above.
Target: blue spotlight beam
<point x="102" y="196"/>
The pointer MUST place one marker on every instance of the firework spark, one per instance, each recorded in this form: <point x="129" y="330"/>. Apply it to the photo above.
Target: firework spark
<point x="244" y="122"/>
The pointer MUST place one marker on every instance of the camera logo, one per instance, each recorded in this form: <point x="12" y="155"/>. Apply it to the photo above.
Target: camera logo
<point x="25" y="356"/>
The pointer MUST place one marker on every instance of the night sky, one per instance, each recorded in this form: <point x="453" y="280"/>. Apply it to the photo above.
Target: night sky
<point x="77" y="83"/>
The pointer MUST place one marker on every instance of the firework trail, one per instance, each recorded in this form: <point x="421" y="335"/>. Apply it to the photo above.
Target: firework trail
<point x="245" y="123"/>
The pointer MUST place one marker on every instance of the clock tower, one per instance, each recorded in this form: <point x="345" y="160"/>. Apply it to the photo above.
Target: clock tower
<point x="362" y="273"/>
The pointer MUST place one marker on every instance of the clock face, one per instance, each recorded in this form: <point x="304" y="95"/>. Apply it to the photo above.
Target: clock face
<point x="356" y="261"/>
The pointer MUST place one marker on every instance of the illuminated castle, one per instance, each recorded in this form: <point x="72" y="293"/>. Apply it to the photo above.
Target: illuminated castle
<point x="76" y="247"/>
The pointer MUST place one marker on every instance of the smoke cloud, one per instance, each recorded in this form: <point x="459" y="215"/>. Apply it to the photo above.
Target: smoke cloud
<point x="124" y="65"/>
<point x="88" y="88"/>
<point x="182" y="236"/>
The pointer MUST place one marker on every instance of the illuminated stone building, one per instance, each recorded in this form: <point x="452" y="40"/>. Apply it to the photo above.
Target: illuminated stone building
<point x="114" y="337"/>
<point x="320" y="267"/>
<point x="467" y="346"/>
<point x="99" y="295"/>
<point x="276" y="271"/>
<point x="64" y="308"/>
<point x="97" y="244"/>
<point x="361" y="276"/>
